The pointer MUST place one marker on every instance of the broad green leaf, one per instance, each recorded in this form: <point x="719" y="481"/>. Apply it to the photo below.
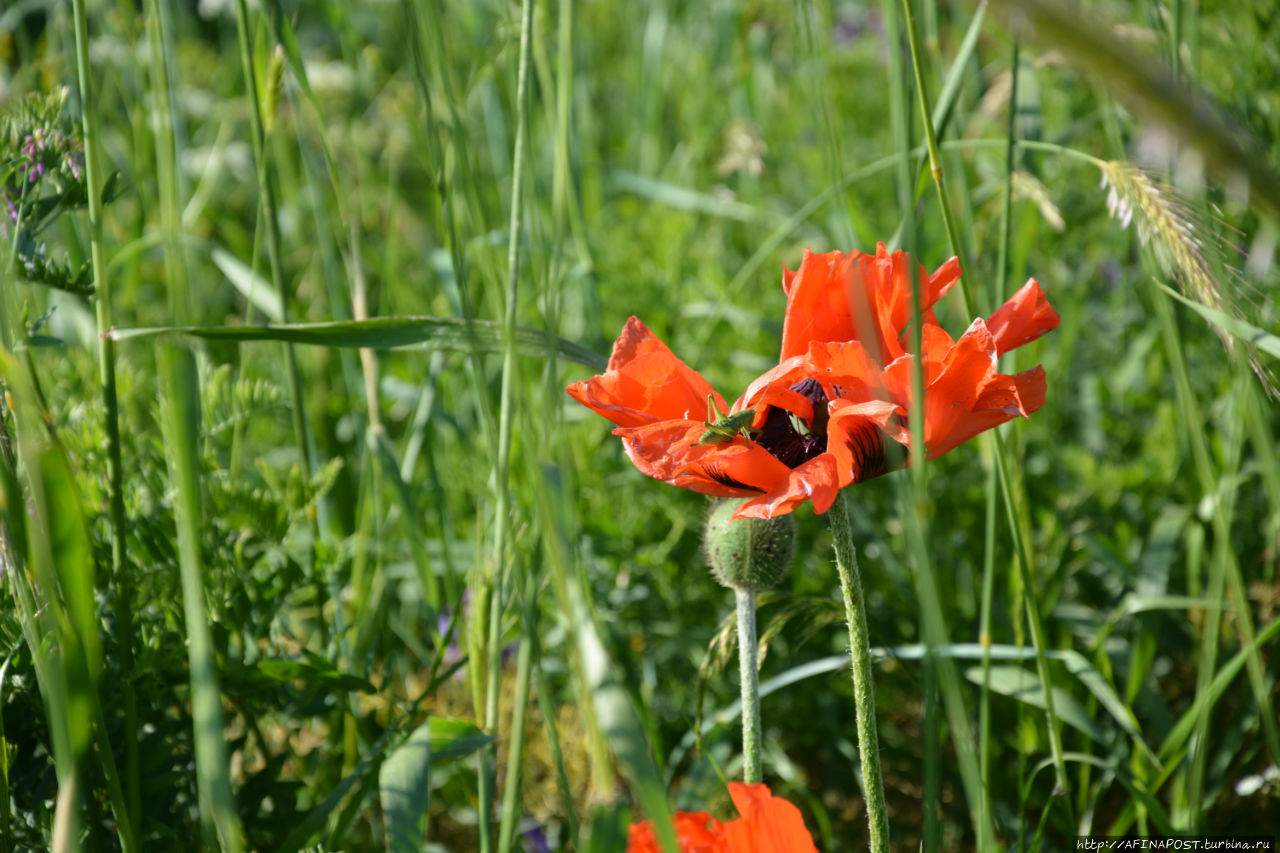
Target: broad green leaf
<point x="71" y="557"/>
<point x="1133" y="604"/>
<point x="404" y="788"/>
<point x="311" y="824"/>
<point x="289" y="671"/>
<point x="453" y="738"/>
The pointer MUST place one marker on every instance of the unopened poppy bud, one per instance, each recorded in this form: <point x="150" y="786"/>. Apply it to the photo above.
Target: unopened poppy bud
<point x="749" y="553"/>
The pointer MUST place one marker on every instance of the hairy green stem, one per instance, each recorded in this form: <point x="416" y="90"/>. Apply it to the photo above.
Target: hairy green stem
<point x="749" y="674"/>
<point x="855" y="610"/>
<point x="122" y="585"/>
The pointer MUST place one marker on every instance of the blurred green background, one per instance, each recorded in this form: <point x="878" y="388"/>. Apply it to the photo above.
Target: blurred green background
<point x="678" y="156"/>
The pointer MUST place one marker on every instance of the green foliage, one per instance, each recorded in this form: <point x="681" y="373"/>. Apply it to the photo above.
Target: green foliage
<point x="679" y="156"/>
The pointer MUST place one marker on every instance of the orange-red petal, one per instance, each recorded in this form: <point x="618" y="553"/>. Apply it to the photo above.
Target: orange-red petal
<point x="856" y="436"/>
<point x="783" y="397"/>
<point x="889" y="282"/>
<point x="1006" y="398"/>
<point x="1026" y="316"/>
<point x="767" y="824"/>
<point x="969" y="395"/>
<point x="696" y="832"/>
<point x="786" y="374"/>
<point x="818" y="302"/>
<point x="644" y="383"/>
<point x="846" y="370"/>
<point x="851" y="296"/>
<point x="669" y="451"/>
<point x="814" y="480"/>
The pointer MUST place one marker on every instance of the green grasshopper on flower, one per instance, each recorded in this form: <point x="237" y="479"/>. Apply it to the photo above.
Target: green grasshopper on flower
<point x="722" y="428"/>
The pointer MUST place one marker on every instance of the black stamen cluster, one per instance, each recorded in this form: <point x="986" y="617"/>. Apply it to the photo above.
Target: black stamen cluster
<point x="780" y="436"/>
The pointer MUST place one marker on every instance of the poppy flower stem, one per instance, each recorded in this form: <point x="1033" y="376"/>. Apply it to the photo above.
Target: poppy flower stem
<point x="855" y="612"/>
<point x="748" y="654"/>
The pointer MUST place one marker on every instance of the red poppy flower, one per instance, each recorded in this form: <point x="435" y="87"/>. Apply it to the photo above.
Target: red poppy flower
<point x="825" y="416"/>
<point x="766" y="824"/>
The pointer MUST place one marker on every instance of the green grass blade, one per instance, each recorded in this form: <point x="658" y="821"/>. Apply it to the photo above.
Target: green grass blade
<point x="122" y="587"/>
<point x="1017" y="683"/>
<point x="403" y="785"/>
<point x="449" y="334"/>
<point x="180" y="419"/>
<point x="1152" y="90"/>
<point x="6" y="815"/>
<point x="1176" y="740"/>
<point x="1246" y="332"/>
<point x="625" y="733"/>
<point x="250" y="285"/>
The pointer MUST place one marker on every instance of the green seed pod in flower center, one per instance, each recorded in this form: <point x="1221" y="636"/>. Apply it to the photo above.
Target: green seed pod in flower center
<point x="750" y="553"/>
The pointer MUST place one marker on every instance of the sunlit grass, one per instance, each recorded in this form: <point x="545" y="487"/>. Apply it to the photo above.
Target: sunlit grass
<point x="351" y="541"/>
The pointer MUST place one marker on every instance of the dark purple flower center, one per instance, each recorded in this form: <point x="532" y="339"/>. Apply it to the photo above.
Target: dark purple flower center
<point x="791" y="439"/>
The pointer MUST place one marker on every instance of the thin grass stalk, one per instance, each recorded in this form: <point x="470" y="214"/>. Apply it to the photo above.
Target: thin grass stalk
<point x="429" y="52"/>
<point x="1024" y="557"/>
<point x="6" y="816"/>
<point x="931" y="141"/>
<point x="834" y="155"/>
<point x="445" y="124"/>
<point x="992" y="485"/>
<point x="41" y="633"/>
<point x="1194" y="118"/>
<point x="506" y="420"/>
<point x="855" y="608"/>
<point x="1265" y="451"/>
<point x="565" y="212"/>
<point x="985" y="640"/>
<point x="510" y="820"/>
<point x="900" y="122"/>
<point x="267" y="200"/>
<point x="180" y="416"/>
<point x="749" y="681"/>
<point x="933" y="621"/>
<point x="1224" y="569"/>
<point x="557" y="752"/>
<point x="122" y="585"/>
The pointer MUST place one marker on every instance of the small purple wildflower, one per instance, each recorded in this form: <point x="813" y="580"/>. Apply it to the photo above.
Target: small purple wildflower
<point x="535" y="837"/>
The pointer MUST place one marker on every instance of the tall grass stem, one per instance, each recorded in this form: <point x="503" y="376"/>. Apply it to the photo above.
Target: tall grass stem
<point x="992" y="484"/>
<point x="181" y="424"/>
<point x="271" y="223"/>
<point x="506" y="421"/>
<point x="121" y="582"/>
<point x="1024" y="563"/>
